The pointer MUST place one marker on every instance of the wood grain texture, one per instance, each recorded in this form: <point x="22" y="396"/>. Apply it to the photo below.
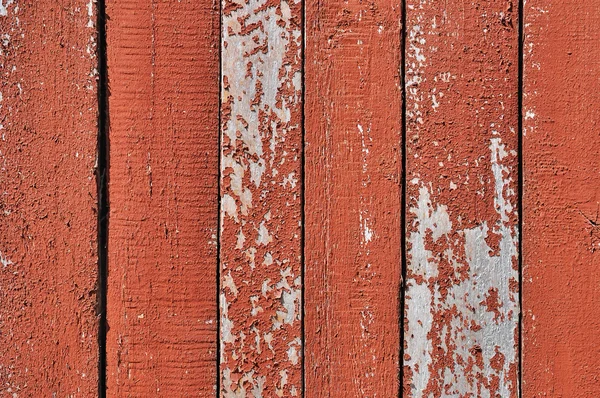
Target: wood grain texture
<point x="353" y="198"/>
<point x="162" y="261"/>
<point x="261" y="176"/>
<point x="461" y="319"/>
<point x="48" y="262"/>
<point x="561" y="238"/>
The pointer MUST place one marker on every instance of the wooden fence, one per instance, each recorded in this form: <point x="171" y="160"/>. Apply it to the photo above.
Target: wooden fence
<point x="357" y="198"/>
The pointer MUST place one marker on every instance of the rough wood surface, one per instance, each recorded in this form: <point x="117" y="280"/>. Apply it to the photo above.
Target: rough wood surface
<point x="261" y="176"/>
<point x="48" y="262"/>
<point x="561" y="207"/>
<point x="162" y="308"/>
<point x="461" y="319"/>
<point x="353" y="198"/>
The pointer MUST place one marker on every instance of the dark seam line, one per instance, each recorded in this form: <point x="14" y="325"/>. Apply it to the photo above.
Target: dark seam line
<point x="219" y="148"/>
<point x="520" y="193"/>
<point x="403" y="200"/>
<point x="302" y="195"/>
<point x="102" y="192"/>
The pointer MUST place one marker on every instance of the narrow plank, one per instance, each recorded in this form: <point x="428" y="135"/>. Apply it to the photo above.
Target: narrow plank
<point x="462" y="303"/>
<point x="48" y="246"/>
<point x="260" y="240"/>
<point x="561" y="202"/>
<point x="162" y="308"/>
<point x="353" y="198"/>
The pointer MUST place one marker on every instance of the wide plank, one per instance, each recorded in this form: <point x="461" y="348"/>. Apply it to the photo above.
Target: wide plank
<point x="261" y="179"/>
<point x="48" y="234"/>
<point x="462" y="278"/>
<point x="163" y="186"/>
<point x="561" y="199"/>
<point x="353" y="138"/>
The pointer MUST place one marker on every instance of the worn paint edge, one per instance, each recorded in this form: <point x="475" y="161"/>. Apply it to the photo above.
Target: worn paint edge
<point x="520" y="186"/>
<point x="220" y="214"/>
<point x="302" y="181"/>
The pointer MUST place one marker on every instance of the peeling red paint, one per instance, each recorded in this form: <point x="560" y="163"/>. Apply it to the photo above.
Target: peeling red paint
<point x="461" y="314"/>
<point x="261" y="177"/>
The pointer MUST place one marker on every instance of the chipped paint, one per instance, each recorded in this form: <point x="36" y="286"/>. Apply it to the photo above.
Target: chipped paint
<point x="260" y="200"/>
<point x="460" y="310"/>
<point x="461" y="301"/>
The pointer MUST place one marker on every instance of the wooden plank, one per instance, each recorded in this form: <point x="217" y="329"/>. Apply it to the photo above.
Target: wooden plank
<point x="353" y="198"/>
<point x="561" y="148"/>
<point x="462" y="305"/>
<point x="260" y="241"/>
<point x="162" y="308"/>
<point x="48" y="261"/>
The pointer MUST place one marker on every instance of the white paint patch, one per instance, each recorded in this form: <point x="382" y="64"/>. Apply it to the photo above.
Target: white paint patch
<point x="292" y="352"/>
<point x="4" y="261"/>
<point x="90" y="12"/>
<point x="263" y="235"/>
<point x="3" y="5"/>
<point x="226" y="325"/>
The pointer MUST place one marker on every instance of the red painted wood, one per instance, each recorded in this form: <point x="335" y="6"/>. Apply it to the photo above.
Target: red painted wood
<point x="48" y="261"/>
<point x="461" y="313"/>
<point x="261" y="177"/>
<point x="162" y="311"/>
<point x="353" y="198"/>
<point x="561" y="148"/>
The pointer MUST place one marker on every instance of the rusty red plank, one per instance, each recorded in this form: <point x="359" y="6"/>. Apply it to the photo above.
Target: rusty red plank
<point x="48" y="249"/>
<point x="561" y="202"/>
<point x="162" y="261"/>
<point x="353" y="198"/>
<point x="261" y="177"/>
<point x="461" y="312"/>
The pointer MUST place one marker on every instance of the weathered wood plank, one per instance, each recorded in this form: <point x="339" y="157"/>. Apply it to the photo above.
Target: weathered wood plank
<point x="162" y="308"/>
<point x="461" y="319"/>
<point x="48" y="261"/>
<point x="561" y="153"/>
<point x="260" y="241"/>
<point x="353" y="198"/>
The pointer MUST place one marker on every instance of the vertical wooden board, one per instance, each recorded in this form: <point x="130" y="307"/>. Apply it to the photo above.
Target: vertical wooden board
<point x="462" y="305"/>
<point x="162" y="308"/>
<point x="261" y="177"/>
<point x="48" y="261"/>
<point x="561" y="199"/>
<point x="353" y="198"/>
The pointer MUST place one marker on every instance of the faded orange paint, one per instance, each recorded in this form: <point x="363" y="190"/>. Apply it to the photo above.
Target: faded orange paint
<point x="48" y="249"/>
<point x="163" y="183"/>
<point x="462" y="303"/>
<point x="261" y="177"/>
<point x="353" y="198"/>
<point x="561" y="205"/>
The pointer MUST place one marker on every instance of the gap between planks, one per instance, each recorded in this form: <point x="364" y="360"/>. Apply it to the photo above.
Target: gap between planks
<point x="102" y="193"/>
